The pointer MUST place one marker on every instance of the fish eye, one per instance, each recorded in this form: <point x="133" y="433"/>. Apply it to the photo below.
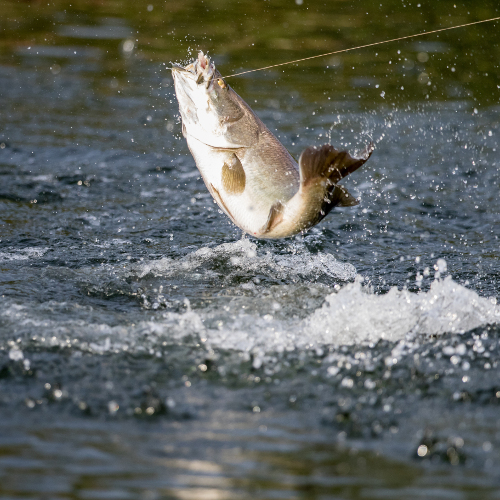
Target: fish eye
<point x="221" y="83"/>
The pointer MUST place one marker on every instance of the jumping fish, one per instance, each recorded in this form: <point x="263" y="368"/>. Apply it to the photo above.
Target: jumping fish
<point x="249" y="173"/>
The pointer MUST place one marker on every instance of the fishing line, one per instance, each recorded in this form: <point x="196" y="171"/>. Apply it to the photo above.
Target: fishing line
<point x="364" y="46"/>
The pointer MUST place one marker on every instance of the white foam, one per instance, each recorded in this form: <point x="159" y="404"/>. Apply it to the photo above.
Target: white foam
<point x="243" y="255"/>
<point x="22" y="253"/>
<point x="353" y="315"/>
<point x="263" y="320"/>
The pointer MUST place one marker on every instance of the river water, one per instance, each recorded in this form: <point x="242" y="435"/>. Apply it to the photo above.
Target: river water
<point x="148" y="350"/>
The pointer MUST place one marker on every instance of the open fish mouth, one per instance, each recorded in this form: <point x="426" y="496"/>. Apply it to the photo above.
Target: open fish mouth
<point x="201" y="70"/>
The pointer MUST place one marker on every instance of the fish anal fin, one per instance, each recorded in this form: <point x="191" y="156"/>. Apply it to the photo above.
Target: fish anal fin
<point x="328" y="163"/>
<point x="342" y="198"/>
<point x="274" y="218"/>
<point x="336" y="196"/>
<point x="233" y="176"/>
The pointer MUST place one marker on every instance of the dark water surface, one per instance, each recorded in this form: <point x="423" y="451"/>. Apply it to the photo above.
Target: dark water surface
<point x="147" y="351"/>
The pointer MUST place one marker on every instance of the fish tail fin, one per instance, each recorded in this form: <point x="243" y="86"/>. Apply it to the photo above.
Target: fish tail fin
<point x="330" y="163"/>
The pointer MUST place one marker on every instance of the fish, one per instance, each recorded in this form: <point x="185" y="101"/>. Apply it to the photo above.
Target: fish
<point x="249" y="173"/>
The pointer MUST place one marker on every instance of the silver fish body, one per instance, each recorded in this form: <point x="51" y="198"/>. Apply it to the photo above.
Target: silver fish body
<point x="249" y="173"/>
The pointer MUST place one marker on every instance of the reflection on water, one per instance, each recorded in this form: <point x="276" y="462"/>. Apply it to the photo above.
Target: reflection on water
<point x="245" y="35"/>
<point x="228" y="456"/>
<point x="146" y="351"/>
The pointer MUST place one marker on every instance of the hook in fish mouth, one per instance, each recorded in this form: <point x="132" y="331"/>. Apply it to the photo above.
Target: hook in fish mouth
<point x="202" y="69"/>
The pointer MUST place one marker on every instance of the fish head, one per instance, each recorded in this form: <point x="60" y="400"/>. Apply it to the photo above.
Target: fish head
<point x="211" y="111"/>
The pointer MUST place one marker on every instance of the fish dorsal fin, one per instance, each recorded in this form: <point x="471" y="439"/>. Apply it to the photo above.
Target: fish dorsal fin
<point x="233" y="176"/>
<point x="274" y="218"/>
<point x="329" y="163"/>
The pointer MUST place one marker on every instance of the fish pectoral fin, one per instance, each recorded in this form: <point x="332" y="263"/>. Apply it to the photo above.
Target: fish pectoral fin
<point x="340" y="197"/>
<point x="233" y="176"/>
<point x="329" y="163"/>
<point x="274" y="218"/>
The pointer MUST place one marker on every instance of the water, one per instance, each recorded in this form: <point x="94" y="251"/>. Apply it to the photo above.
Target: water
<point x="148" y="351"/>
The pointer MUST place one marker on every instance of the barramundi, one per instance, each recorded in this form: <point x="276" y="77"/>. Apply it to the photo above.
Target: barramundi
<point x="249" y="173"/>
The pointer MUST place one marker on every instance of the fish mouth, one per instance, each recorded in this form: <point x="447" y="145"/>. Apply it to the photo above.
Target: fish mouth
<point x="192" y="84"/>
<point x="200" y="71"/>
